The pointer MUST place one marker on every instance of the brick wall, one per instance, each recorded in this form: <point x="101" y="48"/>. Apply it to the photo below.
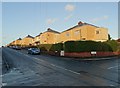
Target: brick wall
<point x="83" y="54"/>
<point x="88" y="54"/>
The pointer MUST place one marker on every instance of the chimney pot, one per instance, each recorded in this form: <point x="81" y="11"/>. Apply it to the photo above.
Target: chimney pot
<point x="79" y="23"/>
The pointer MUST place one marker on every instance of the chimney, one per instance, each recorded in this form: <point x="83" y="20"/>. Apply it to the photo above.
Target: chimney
<point x="48" y="29"/>
<point x="40" y="33"/>
<point x="80" y="23"/>
<point x="19" y="39"/>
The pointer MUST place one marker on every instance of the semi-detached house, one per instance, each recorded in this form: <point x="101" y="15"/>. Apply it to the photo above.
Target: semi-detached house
<point x="84" y="31"/>
<point x="18" y="41"/>
<point x="36" y="40"/>
<point x="49" y="37"/>
<point x="26" y="41"/>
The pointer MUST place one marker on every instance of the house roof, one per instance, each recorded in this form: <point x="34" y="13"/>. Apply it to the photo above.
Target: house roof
<point x="53" y="31"/>
<point x="38" y="35"/>
<point x="29" y="36"/>
<point x="19" y="39"/>
<point x="80" y="24"/>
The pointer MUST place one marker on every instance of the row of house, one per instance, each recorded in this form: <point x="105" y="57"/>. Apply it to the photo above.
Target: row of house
<point x="82" y="31"/>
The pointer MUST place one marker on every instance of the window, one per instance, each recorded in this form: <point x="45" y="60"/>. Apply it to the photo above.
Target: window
<point x="42" y="37"/>
<point x="97" y="32"/>
<point x="76" y="32"/>
<point x="67" y="34"/>
<point x="83" y="38"/>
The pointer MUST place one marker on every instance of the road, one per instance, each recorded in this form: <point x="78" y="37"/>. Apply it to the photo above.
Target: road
<point x="46" y="70"/>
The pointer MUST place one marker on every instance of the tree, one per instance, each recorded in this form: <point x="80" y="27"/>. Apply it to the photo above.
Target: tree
<point x="109" y="37"/>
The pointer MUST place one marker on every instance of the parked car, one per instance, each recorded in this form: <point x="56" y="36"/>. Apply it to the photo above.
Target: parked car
<point x="13" y="47"/>
<point x="33" y="51"/>
<point x="18" y="48"/>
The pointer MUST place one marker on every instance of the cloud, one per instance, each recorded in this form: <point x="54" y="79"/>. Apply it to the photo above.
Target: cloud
<point x="51" y="20"/>
<point x="69" y="7"/>
<point x="68" y="17"/>
<point x="100" y="18"/>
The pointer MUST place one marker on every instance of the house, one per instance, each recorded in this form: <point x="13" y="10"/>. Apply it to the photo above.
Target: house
<point x="12" y="43"/>
<point x="27" y="40"/>
<point x="84" y="31"/>
<point x="49" y="37"/>
<point x="36" y="40"/>
<point x="18" y="42"/>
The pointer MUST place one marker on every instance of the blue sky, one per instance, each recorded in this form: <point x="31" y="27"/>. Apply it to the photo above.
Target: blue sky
<point x="22" y="18"/>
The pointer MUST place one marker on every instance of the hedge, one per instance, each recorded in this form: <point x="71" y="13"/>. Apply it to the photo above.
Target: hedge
<point x="45" y="46"/>
<point x="86" y="46"/>
<point x="57" y="47"/>
<point x="81" y="46"/>
<point x="113" y="44"/>
<point x="43" y="49"/>
<point x="51" y="47"/>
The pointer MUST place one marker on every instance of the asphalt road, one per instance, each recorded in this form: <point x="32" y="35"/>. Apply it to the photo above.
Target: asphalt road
<point x="46" y="70"/>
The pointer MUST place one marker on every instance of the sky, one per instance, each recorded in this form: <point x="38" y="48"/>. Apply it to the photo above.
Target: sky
<point x="22" y="18"/>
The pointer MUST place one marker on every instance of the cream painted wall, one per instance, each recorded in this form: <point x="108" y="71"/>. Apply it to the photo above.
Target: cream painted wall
<point x="17" y="42"/>
<point x="86" y="32"/>
<point x="26" y="41"/>
<point x="49" y="38"/>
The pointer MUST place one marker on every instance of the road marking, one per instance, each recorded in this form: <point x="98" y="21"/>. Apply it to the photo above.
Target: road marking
<point x="67" y="69"/>
<point x="4" y="84"/>
<point x="57" y="66"/>
<point x="6" y="63"/>
<point x="53" y="65"/>
<point x="111" y="85"/>
<point x="113" y="67"/>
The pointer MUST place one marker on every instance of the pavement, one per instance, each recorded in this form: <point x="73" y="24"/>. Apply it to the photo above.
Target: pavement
<point x="46" y="70"/>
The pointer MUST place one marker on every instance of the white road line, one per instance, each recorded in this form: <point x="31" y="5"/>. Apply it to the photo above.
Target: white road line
<point x="53" y="64"/>
<point x="58" y="66"/>
<point x="113" y="67"/>
<point x="67" y="70"/>
<point x="4" y="84"/>
<point x="50" y="63"/>
<point x="111" y="85"/>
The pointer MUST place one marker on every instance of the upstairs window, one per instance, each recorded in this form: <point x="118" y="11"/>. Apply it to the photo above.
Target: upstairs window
<point x="97" y="32"/>
<point x="67" y="34"/>
<point x="77" y="32"/>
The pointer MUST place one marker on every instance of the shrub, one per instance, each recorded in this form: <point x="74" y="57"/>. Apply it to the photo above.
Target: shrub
<point x="43" y="49"/>
<point x="86" y="46"/>
<point x="57" y="47"/>
<point x="46" y="46"/>
<point x="106" y="47"/>
<point x="69" y="46"/>
<point x="113" y="44"/>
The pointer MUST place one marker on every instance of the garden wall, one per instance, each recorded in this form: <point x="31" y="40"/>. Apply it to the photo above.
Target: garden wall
<point x="88" y="54"/>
